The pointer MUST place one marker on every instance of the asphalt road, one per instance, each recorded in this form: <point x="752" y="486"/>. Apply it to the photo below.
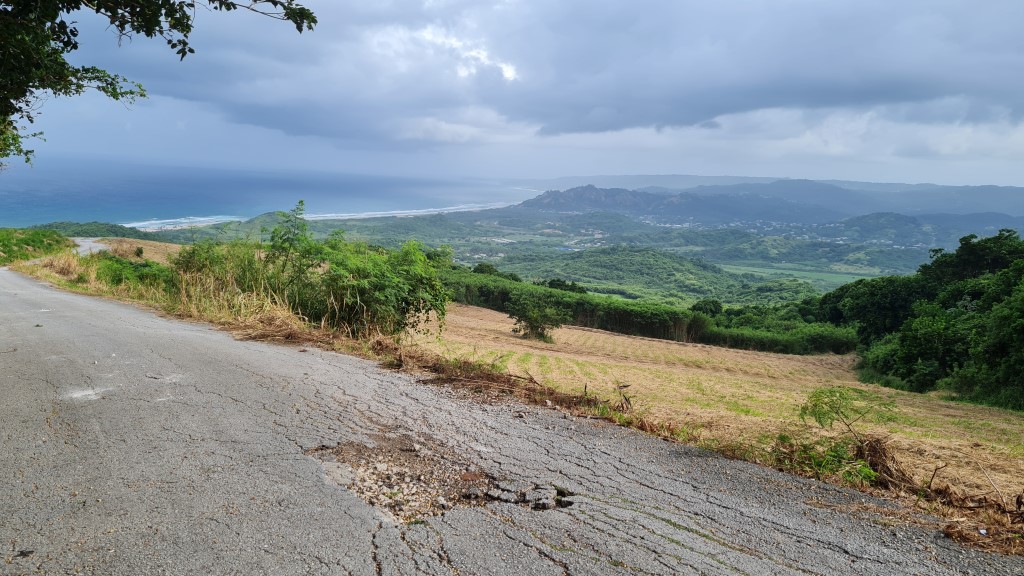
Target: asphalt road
<point x="134" y="444"/>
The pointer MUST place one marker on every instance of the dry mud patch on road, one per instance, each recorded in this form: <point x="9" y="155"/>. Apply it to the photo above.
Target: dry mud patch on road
<point x="411" y="478"/>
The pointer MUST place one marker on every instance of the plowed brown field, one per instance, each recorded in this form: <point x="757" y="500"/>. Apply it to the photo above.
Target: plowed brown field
<point x="721" y="395"/>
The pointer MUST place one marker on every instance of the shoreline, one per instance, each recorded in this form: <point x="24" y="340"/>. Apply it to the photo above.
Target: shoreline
<point x="157" y="225"/>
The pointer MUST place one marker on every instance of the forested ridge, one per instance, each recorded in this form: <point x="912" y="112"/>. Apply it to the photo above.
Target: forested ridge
<point x="97" y="230"/>
<point x="955" y="325"/>
<point x="660" y="275"/>
<point x="791" y="328"/>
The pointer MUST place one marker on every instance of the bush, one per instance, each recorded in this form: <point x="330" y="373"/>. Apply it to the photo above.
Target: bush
<point x="821" y="458"/>
<point x="359" y="289"/>
<point x="882" y="356"/>
<point x="708" y="306"/>
<point x="116" y="271"/>
<point x="536" y="315"/>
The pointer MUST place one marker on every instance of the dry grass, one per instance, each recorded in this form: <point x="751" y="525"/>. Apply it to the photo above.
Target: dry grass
<point x="741" y="398"/>
<point x="127" y="248"/>
<point x="65" y="264"/>
<point x="248" y="316"/>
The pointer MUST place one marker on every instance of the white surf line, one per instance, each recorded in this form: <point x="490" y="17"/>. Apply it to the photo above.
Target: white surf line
<point x="419" y="212"/>
<point x="155" y="225"/>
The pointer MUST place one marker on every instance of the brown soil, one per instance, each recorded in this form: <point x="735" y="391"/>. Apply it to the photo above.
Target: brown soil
<point x="412" y="478"/>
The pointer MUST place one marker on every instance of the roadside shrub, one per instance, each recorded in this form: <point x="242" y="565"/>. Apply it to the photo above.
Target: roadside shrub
<point x="857" y="456"/>
<point x="820" y="458"/>
<point x="66" y="264"/>
<point x="369" y="290"/>
<point x="361" y="290"/>
<point x="116" y="271"/>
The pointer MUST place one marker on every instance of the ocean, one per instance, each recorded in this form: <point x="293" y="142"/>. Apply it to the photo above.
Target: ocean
<point x="153" y="197"/>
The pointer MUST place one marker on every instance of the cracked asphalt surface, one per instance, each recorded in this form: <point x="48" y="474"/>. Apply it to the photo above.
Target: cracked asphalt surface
<point x="134" y="444"/>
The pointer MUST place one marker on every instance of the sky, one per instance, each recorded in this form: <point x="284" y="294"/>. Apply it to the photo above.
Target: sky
<point x="908" y="91"/>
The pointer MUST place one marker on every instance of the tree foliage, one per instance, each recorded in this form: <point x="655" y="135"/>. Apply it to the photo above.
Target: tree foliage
<point x="536" y="315"/>
<point x="36" y="37"/>
<point x="957" y="324"/>
<point x="790" y="329"/>
<point x="96" y="230"/>
<point x="356" y="288"/>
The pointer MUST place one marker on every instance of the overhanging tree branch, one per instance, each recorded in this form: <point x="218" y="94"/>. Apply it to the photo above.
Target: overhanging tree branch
<point x="37" y="35"/>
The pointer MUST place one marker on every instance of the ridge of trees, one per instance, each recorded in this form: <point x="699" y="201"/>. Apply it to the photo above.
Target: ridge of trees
<point x="956" y="325"/>
<point x="97" y="230"/>
<point x="790" y="329"/>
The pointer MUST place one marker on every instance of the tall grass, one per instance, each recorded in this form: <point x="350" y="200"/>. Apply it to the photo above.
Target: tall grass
<point x="273" y="290"/>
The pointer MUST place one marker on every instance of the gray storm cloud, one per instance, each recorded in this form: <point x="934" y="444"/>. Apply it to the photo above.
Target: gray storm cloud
<point x="579" y="67"/>
<point x="912" y="90"/>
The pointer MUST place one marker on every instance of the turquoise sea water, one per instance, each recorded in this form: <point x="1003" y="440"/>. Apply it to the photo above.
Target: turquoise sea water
<point x="139" y="195"/>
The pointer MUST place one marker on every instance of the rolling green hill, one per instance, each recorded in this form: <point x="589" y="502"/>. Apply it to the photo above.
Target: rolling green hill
<point x="637" y="272"/>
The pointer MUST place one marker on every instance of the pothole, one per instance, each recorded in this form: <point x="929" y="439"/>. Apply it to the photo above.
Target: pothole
<point x="412" y="478"/>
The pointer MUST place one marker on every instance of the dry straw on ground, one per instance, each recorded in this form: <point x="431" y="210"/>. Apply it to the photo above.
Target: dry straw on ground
<point x="159" y="252"/>
<point x="739" y="401"/>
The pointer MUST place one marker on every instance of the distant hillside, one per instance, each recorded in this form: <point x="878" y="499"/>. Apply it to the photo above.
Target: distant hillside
<point x="695" y="207"/>
<point x="982" y="224"/>
<point x="806" y="202"/>
<point x="632" y="182"/>
<point x="887" y="227"/>
<point x="96" y="230"/>
<point x="925" y="230"/>
<point x="932" y="198"/>
<point x="644" y="272"/>
<point x="860" y="198"/>
<point x="809" y="193"/>
<point x="593" y="199"/>
<point x="961" y="200"/>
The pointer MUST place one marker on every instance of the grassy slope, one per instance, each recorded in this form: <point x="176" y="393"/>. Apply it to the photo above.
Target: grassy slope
<point x="651" y="273"/>
<point x="18" y="244"/>
<point x="159" y="252"/>
<point x="724" y="396"/>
